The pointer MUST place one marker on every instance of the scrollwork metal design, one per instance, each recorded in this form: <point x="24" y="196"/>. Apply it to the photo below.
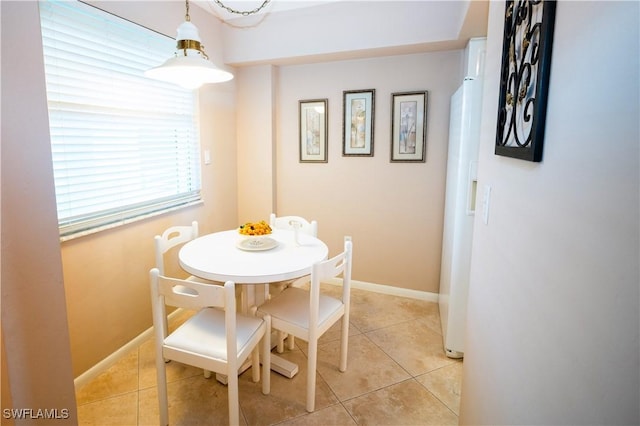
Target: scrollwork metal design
<point x="526" y="56"/>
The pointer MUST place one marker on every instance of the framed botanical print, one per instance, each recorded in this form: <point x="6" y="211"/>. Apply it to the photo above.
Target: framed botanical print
<point x="408" y="126"/>
<point x="357" y="123"/>
<point x="312" y="119"/>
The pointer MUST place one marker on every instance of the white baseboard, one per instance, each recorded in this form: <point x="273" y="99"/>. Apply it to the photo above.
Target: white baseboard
<point x="390" y="290"/>
<point x="104" y="365"/>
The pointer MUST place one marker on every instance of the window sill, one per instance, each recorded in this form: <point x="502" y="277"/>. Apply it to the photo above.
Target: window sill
<point x="128" y="221"/>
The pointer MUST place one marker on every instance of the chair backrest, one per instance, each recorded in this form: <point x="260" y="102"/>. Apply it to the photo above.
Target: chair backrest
<point x="327" y="269"/>
<point x="170" y="238"/>
<point x="168" y="291"/>
<point x="288" y="222"/>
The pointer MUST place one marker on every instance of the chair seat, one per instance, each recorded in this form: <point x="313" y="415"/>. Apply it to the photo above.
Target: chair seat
<point x="204" y="333"/>
<point x="292" y="306"/>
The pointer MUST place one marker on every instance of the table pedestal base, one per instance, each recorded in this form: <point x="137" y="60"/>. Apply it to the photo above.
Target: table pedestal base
<point x="281" y="366"/>
<point x="278" y="364"/>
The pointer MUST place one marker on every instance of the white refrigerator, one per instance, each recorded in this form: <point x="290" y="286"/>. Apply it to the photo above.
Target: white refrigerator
<point x="460" y="206"/>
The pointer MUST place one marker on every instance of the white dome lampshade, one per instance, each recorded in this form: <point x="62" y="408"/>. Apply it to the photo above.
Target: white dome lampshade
<point x="190" y="67"/>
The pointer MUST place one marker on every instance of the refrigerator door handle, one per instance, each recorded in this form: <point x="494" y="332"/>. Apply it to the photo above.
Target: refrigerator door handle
<point x="472" y="188"/>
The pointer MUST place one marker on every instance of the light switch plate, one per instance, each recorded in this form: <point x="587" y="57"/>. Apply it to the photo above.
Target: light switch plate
<point x="486" y="200"/>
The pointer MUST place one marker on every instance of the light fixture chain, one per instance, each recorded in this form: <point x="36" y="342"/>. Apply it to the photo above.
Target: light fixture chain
<point x="242" y="12"/>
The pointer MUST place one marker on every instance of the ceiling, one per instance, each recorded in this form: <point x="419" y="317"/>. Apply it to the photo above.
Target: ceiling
<point x="299" y="31"/>
<point x="270" y="6"/>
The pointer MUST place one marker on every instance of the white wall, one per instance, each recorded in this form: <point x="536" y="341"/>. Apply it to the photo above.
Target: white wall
<point x="393" y="211"/>
<point x="256" y="142"/>
<point x="553" y="309"/>
<point x="36" y="364"/>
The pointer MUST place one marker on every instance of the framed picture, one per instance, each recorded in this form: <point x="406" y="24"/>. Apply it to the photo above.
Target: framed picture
<point x="313" y="130"/>
<point x="357" y="123"/>
<point x="524" y="78"/>
<point x="408" y="126"/>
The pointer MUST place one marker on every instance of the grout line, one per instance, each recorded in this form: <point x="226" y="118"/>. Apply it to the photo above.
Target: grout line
<point x="390" y="357"/>
<point x="400" y="322"/>
<point x="436" y="397"/>
<point x="349" y="413"/>
<point x="115" y="395"/>
<point x="427" y="388"/>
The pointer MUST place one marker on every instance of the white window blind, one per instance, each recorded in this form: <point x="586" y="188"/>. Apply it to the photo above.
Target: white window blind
<point x="124" y="146"/>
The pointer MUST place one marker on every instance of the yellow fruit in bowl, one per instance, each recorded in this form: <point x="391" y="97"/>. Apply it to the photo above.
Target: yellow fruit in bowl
<point x="255" y="228"/>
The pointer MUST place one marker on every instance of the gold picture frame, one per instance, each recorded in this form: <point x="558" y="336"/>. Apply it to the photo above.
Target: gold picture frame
<point x="409" y="127"/>
<point x="357" y="122"/>
<point x="313" y="130"/>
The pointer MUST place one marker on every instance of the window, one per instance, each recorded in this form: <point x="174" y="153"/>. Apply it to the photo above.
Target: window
<point x="123" y="146"/>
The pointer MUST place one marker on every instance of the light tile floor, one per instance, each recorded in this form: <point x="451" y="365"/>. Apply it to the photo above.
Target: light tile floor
<point x="397" y="374"/>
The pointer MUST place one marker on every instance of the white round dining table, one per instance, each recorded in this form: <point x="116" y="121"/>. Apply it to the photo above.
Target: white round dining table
<point x="218" y="257"/>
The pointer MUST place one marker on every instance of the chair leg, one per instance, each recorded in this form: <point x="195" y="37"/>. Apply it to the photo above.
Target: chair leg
<point x="291" y="342"/>
<point x="266" y="358"/>
<point x="281" y="336"/>
<point x="234" y="406"/>
<point x="207" y="374"/>
<point x="163" y="402"/>
<point x="344" y="344"/>
<point x="312" y="362"/>
<point x="255" y="364"/>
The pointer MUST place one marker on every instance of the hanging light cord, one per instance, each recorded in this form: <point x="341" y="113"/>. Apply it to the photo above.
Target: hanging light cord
<point x="186" y="15"/>
<point x="241" y="12"/>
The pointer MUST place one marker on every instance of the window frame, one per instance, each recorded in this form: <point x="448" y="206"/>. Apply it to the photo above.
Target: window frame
<point x="87" y="223"/>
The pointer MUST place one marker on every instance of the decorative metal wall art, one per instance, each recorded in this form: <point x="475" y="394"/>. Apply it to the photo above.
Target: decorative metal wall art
<point x="524" y="78"/>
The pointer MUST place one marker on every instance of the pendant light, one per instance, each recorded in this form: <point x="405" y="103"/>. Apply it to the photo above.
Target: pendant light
<point x="190" y="67"/>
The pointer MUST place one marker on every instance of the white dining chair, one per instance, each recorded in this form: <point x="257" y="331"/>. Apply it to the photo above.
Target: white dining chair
<point x="291" y="222"/>
<point x="299" y="224"/>
<point x="172" y="237"/>
<point x="308" y="314"/>
<point x="216" y="338"/>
